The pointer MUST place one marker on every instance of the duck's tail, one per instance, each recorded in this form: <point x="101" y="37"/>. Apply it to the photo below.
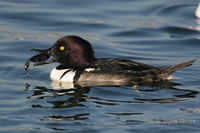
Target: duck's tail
<point x="167" y="71"/>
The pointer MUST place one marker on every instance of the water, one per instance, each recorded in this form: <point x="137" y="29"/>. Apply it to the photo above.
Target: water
<point x="157" y="32"/>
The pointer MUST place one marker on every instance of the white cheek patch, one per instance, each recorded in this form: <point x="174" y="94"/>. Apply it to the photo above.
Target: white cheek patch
<point x="89" y="69"/>
<point x="66" y="75"/>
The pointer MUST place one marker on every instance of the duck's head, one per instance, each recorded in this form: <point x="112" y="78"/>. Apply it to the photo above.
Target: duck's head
<point x="70" y="52"/>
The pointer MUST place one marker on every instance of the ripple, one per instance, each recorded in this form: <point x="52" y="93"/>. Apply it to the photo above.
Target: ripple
<point x="125" y="113"/>
<point x="68" y="118"/>
<point x="179" y="31"/>
<point x="191" y="110"/>
<point x="174" y="9"/>
<point x="137" y="33"/>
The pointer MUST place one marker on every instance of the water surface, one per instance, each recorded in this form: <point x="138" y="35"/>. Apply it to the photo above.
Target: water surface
<point x="156" y="32"/>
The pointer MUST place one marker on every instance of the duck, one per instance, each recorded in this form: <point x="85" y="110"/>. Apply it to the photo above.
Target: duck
<point x="77" y="63"/>
<point x="197" y="12"/>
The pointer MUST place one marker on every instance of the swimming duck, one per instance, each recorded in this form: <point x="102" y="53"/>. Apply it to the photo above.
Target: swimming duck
<point x="197" y="13"/>
<point x="79" y="64"/>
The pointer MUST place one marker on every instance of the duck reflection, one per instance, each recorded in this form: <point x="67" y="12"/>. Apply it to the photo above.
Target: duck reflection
<point x="79" y="92"/>
<point x="68" y="118"/>
<point x="75" y="96"/>
<point x="63" y="95"/>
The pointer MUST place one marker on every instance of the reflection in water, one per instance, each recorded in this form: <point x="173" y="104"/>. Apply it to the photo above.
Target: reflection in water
<point x="179" y="96"/>
<point x="75" y="96"/>
<point x="79" y="97"/>
<point x="68" y="118"/>
<point x="191" y="110"/>
<point x="198" y="24"/>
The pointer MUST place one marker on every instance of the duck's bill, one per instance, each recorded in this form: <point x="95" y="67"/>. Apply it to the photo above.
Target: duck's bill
<point x="40" y="59"/>
<point x="45" y="62"/>
<point x="46" y="51"/>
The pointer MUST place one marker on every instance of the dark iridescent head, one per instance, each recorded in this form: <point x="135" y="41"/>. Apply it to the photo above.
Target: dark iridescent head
<point x="73" y="51"/>
<point x="69" y="51"/>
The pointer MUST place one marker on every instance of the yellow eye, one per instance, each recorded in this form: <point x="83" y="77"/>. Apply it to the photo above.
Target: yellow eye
<point x="62" y="48"/>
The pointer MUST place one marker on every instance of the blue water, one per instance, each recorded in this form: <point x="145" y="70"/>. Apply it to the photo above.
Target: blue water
<point x="156" y="32"/>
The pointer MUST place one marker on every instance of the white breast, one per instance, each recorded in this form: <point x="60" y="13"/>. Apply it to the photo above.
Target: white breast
<point x="66" y="75"/>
